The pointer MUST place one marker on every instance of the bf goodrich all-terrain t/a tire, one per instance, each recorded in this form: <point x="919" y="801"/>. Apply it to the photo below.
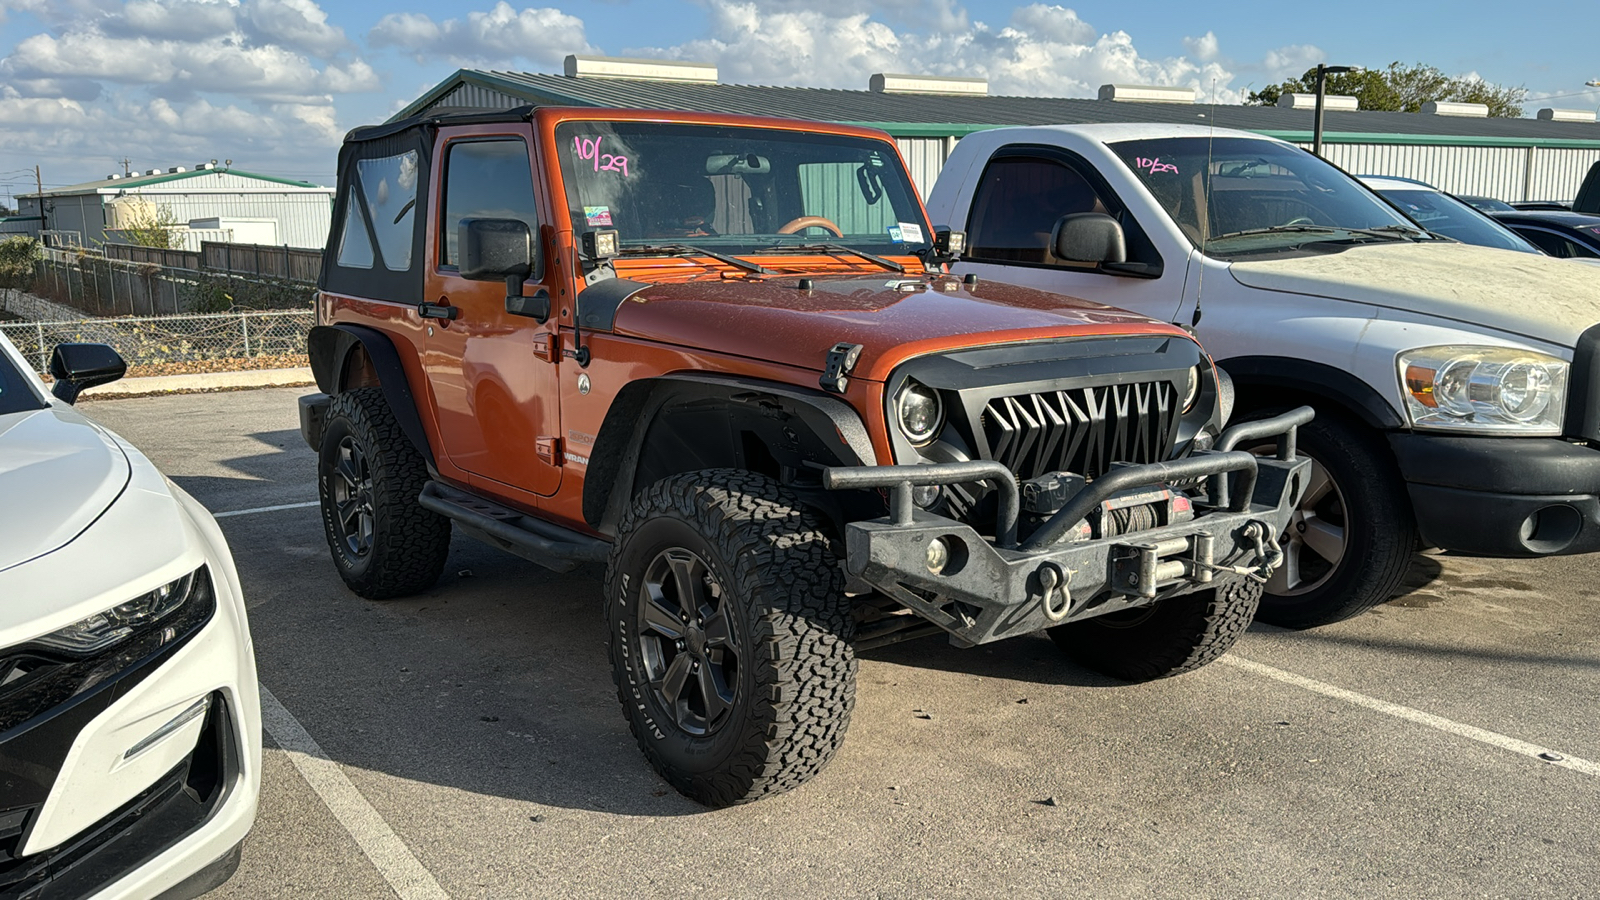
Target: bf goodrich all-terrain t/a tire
<point x="1174" y="636"/>
<point x="369" y="475"/>
<point x="1351" y="537"/>
<point x="730" y="635"/>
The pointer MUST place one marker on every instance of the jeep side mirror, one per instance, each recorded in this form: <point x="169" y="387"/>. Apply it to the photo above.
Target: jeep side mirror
<point x="76" y="367"/>
<point x="492" y="249"/>
<point x="1090" y="237"/>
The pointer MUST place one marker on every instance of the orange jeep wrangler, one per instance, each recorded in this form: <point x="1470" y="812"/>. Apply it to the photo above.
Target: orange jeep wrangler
<point x="722" y="356"/>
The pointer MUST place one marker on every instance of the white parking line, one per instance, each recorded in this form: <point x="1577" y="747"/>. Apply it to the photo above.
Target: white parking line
<point x="1494" y="739"/>
<point x="264" y="509"/>
<point x="372" y="834"/>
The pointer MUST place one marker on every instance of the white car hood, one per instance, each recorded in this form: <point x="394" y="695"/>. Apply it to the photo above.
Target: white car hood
<point x="1543" y="298"/>
<point x="58" y="473"/>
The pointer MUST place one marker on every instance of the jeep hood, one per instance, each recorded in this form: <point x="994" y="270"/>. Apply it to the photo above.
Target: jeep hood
<point x="58" y="473"/>
<point x="891" y="316"/>
<point x="1543" y="298"/>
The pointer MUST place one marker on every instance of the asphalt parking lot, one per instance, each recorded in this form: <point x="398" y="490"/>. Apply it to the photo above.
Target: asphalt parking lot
<point x="467" y="742"/>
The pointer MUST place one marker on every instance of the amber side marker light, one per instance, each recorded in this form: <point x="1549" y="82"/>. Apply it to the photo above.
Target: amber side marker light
<point x="1419" y="381"/>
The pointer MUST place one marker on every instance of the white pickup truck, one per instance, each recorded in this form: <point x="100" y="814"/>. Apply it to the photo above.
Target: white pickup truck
<point x="1457" y="387"/>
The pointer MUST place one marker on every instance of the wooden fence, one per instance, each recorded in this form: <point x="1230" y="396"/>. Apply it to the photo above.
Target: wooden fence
<point x="287" y="263"/>
<point x="260" y="260"/>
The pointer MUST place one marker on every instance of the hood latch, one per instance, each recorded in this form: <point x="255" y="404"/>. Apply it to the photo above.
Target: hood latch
<point x="841" y="359"/>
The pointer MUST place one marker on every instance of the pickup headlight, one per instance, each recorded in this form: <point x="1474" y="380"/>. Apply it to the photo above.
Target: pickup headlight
<point x="920" y="411"/>
<point x="1485" y="390"/>
<point x="101" y="630"/>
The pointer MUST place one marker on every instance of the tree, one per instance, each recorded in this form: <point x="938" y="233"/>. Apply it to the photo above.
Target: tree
<point x="18" y="254"/>
<point x="148" y="225"/>
<point x="1400" y="88"/>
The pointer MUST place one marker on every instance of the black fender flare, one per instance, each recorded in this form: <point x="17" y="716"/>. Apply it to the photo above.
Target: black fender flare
<point x="330" y="346"/>
<point x="614" y="462"/>
<point x="1258" y="375"/>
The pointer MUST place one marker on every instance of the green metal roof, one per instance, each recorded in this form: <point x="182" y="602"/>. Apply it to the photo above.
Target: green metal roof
<point x="937" y="115"/>
<point x="134" y="181"/>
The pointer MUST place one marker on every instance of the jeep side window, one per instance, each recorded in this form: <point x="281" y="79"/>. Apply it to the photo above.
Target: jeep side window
<point x="390" y="186"/>
<point x="486" y="179"/>
<point x="355" y="248"/>
<point x="1017" y="205"/>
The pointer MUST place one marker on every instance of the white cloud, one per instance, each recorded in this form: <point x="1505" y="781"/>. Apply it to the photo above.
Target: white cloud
<point x="1204" y="48"/>
<point x="543" y="36"/>
<point x="1291" y="61"/>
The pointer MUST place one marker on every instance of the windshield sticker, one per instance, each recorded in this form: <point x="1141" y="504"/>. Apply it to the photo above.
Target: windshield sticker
<point x="597" y="215"/>
<point x="1153" y="166"/>
<point x="910" y="232"/>
<point x="589" y="149"/>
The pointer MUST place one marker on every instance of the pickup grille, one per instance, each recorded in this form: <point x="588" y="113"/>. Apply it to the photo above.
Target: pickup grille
<point x="1082" y="430"/>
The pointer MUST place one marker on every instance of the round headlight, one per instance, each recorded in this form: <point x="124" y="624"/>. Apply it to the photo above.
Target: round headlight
<point x="920" y="411"/>
<point x="1191" y="390"/>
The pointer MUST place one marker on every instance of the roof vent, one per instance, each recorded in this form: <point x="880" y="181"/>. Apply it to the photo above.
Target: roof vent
<point x="641" y="69"/>
<point x="153" y="172"/>
<point x="176" y="169"/>
<point x="204" y="167"/>
<point x="1330" y="102"/>
<point x="1146" y="93"/>
<point x="1567" y="115"/>
<point x="113" y="176"/>
<point x="1448" y="108"/>
<point x="927" y="84"/>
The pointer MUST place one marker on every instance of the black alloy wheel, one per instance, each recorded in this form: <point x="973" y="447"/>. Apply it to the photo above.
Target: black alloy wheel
<point x="686" y="641"/>
<point x="351" y="491"/>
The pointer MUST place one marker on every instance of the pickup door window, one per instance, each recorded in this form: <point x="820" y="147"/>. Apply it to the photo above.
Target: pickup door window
<point x="1017" y="205"/>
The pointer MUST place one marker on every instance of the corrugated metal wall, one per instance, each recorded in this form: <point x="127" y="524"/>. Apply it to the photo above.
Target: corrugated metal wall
<point x="1505" y="173"/>
<point x="303" y="218"/>
<point x="925" y="157"/>
<point x="1557" y="174"/>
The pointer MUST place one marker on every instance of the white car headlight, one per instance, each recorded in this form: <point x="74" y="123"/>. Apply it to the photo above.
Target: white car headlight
<point x="101" y="630"/>
<point x="1484" y="390"/>
<point x="920" y="411"/>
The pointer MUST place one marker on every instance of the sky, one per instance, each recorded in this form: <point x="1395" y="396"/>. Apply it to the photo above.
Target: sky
<point x="274" y="84"/>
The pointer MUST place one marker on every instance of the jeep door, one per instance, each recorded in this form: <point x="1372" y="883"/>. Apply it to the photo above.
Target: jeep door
<point x="493" y="374"/>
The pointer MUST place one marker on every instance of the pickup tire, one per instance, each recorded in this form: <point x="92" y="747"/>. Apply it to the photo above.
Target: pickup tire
<point x="384" y="544"/>
<point x="1356" y="504"/>
<point x="1174" y="636"/>
<point x="729" y="635"/>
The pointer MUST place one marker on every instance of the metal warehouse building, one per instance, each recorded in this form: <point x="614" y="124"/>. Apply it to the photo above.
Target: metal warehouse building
<point x="1456" y="149"/>
<point x="248" y="208"/>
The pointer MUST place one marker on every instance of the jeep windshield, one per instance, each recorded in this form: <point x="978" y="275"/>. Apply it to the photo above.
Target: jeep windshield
<point x="671" y="189"/>
<point x="1233" y="195"/>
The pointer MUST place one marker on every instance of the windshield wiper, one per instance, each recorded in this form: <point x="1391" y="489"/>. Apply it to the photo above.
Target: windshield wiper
<point x="837" y="249"/>
<point x="687" y="250"/>
<point x="1387" y="232"/>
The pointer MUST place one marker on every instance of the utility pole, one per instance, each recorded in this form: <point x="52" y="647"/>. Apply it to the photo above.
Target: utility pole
<point x="126" y="162"/>
<point x="38" y="182"/>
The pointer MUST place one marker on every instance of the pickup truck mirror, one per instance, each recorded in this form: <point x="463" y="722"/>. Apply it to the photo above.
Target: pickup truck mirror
<point x="1090" y="237"/>
<point x="492" y="249"/>
<point x="76" y="367"/>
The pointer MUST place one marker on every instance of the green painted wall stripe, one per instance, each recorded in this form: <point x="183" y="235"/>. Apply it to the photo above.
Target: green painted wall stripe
<point x="925" y="129"/>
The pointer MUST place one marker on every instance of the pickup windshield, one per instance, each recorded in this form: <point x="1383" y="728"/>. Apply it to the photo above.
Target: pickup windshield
<point x="1234" y="195"/>
<point x="737" y="190"/>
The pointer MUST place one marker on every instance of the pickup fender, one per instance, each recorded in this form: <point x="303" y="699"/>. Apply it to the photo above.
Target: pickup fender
<point x="345" y="356"/>
<point x="1262" y="376"/>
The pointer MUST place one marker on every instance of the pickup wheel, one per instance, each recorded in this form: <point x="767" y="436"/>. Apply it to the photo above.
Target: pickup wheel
<point x="1176" y="635"/>
<point x="729" y="635"/>
<point x="1352" y="535"/>
<point x="383" y="542"/>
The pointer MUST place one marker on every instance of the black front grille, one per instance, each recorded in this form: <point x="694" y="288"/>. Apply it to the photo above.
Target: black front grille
<point x="1082" y="430"/>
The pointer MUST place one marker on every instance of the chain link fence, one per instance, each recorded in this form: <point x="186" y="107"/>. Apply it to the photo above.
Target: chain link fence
<point x="159" y="345"/>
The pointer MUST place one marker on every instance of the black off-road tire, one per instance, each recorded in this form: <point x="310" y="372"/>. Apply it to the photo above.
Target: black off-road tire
<point x="1379" y="526"/>
<point x="1172" y="637"/>
<point x="770" y="565"/>
<point x="403" y="548"/>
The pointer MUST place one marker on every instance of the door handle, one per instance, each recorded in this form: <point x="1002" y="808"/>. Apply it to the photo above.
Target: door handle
<point x="437" y="310"/>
